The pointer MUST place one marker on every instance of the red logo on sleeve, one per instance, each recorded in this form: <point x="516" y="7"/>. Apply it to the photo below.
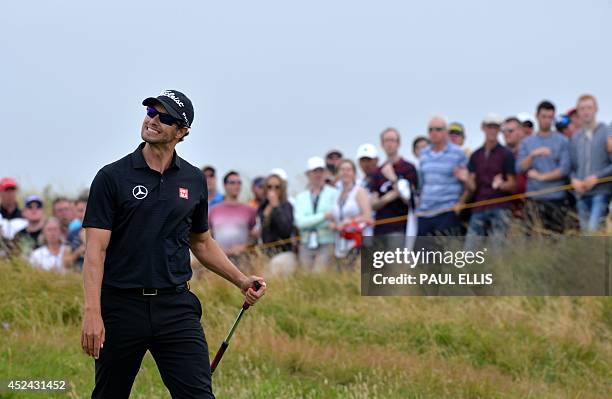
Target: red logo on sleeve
<point x="183" y="193"/>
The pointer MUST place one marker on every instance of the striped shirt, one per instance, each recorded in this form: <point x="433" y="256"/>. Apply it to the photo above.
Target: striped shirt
<point x="440" y="189"/>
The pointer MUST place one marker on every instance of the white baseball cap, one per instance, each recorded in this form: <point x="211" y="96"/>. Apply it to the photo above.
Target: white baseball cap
<point x="280" y="173"/>
<point x="493" y="119"/>
<point x="315" y="163"/>
<point x="367" y="150"/>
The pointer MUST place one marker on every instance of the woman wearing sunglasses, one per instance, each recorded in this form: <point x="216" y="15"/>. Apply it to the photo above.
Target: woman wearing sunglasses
<point x="275" y="218"/>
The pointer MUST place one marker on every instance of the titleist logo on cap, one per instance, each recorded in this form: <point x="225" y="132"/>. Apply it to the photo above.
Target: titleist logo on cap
<point x="172" y="96"/>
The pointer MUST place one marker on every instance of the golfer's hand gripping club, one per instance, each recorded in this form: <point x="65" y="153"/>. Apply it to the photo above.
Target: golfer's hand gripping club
<point x="225" y="343"/>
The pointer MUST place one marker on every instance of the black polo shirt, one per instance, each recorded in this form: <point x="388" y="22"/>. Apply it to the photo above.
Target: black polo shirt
<point x="151" y="216"/>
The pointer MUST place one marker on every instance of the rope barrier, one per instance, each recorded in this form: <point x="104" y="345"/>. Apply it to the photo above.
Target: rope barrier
<point x="507" y="198"/>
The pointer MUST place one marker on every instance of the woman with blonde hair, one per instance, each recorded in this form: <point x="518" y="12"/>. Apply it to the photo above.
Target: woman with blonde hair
<point x="275" y="221"/>
<point x="275" y="215"/>
<point x="352" y="212"/>
<point x="53" y="252"/>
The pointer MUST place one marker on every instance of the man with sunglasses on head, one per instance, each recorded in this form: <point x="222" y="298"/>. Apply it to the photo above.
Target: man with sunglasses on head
<point x="145" y="212"/>
<point x="232" y="222"/>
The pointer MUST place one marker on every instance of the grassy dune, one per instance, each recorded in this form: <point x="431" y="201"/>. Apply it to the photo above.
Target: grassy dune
<point x="313" y="336"/>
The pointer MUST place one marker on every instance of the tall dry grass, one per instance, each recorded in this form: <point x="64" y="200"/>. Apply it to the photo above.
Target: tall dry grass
<point x="314" y="336"/>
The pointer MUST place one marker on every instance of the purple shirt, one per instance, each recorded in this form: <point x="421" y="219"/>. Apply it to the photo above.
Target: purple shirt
<point x="379" y="184"/>
<point x="486" y="166"/>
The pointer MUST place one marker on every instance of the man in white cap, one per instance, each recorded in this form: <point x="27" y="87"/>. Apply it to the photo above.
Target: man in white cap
<point x="311" y="206"/>
<point x="367" y="156"/>
<point x="491" y="175"/>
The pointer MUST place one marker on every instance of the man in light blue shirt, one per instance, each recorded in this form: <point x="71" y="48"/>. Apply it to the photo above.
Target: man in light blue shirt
<point x="546" y="159"/>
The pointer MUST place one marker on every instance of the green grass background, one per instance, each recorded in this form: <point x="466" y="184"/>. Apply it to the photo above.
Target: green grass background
<point x="314" y="336"/>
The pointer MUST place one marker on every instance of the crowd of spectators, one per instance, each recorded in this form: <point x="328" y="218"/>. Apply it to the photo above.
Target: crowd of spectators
<point x="54" y="242"/>
<point x="563" y="164"/>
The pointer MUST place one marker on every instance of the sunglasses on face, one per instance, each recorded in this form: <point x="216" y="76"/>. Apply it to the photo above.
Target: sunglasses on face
<point x="33" y="206"/>
<point x="164" y="118"/>
<point x="509" y="131"/>
<point x="436" y="129"/>
<point x="273" y="187"/>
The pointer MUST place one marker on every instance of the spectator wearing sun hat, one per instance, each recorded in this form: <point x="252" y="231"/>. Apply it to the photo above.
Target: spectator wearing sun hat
<point x="311" y="207"/>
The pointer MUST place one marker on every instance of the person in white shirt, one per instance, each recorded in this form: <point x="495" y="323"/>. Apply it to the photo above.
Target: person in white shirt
<point x="352" y="212"/>
<point x="51" y="255"/>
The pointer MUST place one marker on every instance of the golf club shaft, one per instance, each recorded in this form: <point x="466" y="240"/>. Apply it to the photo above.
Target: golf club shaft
<point x="225" y="343"/>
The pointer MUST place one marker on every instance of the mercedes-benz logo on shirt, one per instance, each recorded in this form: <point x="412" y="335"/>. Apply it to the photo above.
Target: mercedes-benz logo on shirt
<point x="140" y="192"/>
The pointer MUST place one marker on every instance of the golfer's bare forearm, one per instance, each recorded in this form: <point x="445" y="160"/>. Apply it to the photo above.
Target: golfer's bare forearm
<point x="93" y="266"/>
<point x="93" y="271"/>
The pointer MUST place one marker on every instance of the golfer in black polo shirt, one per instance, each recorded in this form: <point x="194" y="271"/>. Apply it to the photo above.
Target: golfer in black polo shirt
<point x="145" y="211"/>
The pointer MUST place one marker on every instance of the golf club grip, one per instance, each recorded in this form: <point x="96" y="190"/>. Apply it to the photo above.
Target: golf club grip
<point x="218" y="356"/>
<point x="256" y="287"/>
